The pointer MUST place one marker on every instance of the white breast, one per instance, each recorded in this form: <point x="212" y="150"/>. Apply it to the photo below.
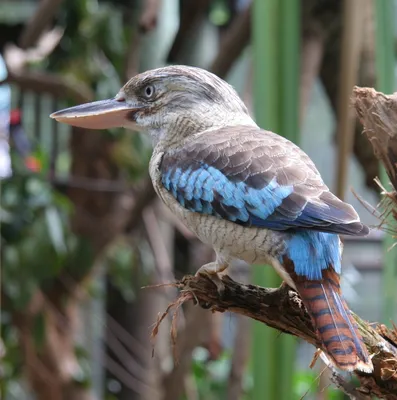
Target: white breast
<point x="253" y="245"/>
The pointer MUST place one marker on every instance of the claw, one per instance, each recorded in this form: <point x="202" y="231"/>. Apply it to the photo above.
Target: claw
<point x="214" y="278"/>
<point x="211" y="271"/>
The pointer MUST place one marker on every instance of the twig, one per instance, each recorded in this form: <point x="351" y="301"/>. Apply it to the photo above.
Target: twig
<point x="282" y="309"/>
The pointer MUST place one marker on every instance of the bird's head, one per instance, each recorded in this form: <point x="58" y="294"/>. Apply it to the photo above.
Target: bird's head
<point x="170" y="101"/>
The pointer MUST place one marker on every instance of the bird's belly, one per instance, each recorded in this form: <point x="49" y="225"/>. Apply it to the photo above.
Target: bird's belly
<point x="253" y="245"/>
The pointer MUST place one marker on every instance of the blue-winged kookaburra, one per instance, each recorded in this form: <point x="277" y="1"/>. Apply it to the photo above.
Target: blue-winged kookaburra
<point x="247" y="192"/>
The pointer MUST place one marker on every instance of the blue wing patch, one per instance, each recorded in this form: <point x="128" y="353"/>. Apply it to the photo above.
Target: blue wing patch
<point x="207" y="190"/>
<point x="255" y="178"/>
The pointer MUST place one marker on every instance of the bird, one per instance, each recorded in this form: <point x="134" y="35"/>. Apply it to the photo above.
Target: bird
<point x="249" y="193"/>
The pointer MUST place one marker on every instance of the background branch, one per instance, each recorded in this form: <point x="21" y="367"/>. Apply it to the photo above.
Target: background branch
<point x="235" y="40"/>
<point x="52" y="84"/>
<point x="40" y="20"/>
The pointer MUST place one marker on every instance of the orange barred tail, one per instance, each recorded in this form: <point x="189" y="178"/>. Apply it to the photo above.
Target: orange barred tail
<point x="334" y="322"/>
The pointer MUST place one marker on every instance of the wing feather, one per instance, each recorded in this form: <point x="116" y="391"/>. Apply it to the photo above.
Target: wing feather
<point x="255" y="177"/>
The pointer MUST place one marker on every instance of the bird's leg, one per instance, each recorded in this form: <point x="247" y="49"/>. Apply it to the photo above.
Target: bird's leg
<point x="211" y="271"/>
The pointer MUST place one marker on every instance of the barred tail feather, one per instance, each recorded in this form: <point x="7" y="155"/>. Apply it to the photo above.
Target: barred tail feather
<point x="334" y="322"/>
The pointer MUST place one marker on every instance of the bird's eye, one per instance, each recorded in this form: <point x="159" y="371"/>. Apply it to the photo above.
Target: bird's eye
<point x="148" y="91"/>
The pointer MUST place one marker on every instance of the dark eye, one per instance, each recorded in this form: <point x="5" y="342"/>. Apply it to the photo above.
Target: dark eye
<point x="148" y="91"/>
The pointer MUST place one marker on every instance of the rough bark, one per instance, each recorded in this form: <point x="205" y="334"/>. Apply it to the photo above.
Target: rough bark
<point x="283" y="310"/>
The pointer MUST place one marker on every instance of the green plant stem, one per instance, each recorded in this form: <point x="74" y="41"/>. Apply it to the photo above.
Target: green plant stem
<point x="275" y="34"/>
<point x="385" y="64"/>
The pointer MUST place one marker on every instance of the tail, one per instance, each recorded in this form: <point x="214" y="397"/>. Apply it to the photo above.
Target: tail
<point x="334" y="322"/>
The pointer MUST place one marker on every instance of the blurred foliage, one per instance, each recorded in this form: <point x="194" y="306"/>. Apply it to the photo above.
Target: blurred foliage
<point x="211" y="379"/>
<point x="219" y="13"/>
<point x="120" y="263"/>
<point x="38" y="243"/>
<point x="92" y="51"/>
<point x="93" y="46"/>
<point x="36" y="236"/>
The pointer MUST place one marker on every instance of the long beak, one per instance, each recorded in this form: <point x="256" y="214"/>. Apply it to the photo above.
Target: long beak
<point x="103" y="114"/>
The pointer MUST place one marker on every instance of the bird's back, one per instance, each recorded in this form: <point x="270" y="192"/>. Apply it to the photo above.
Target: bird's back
<point x="254" y="178"/>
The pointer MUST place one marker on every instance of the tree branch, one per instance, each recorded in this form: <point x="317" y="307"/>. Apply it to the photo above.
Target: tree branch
<point x="191" y="13"/>
<point x="283" y="310"/>
<point x="53" y="84"/>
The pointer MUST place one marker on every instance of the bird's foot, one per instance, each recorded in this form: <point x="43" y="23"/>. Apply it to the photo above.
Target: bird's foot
<point x="211" y="271"/>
